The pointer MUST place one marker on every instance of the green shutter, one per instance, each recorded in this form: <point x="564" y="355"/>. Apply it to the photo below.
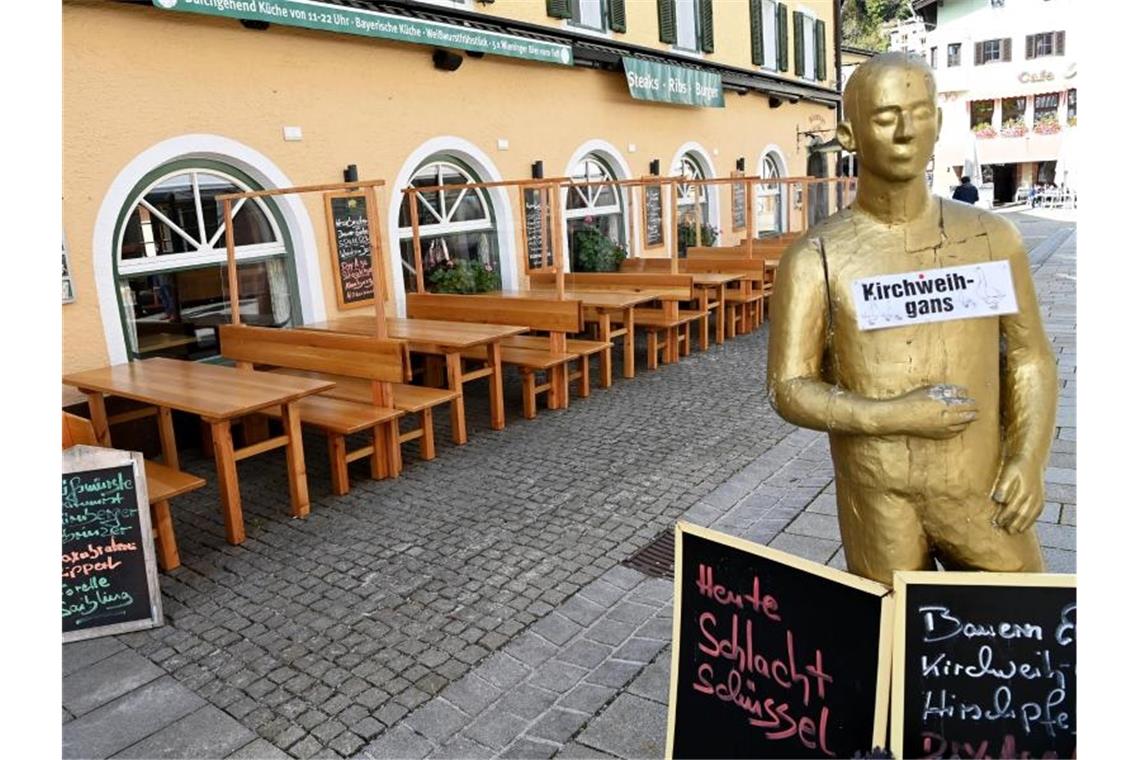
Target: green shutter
<point x="756" y="22"/>
<point x="798" y="38"/>
<point x="558" y="8"/>
<point x="617" y="15"/>
<point x="782" y="36"/>
<point x="667" y="21"/>
<point x="706" y="25"/>
<point x="820" y="51"/>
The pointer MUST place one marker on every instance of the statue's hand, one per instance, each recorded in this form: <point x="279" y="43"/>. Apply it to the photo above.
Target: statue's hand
<point x="1020" y="489"/>
<point x="932" y="411"/>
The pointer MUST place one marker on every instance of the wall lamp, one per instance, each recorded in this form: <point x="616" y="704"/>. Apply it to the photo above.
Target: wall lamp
<point x="740" y="164"/>
<point x="445" y="60"/>
<point x="655" y="167"/>
<point x="536" y="170"/>
<point x="350" y="173"/>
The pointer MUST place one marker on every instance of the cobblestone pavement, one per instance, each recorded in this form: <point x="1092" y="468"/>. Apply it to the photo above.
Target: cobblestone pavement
<point x="475" y="605"/>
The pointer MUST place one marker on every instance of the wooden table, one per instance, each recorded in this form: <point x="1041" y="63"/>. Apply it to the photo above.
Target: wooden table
<point x="716" y="283"/>
<point x="599" y="306"/>
<point x="438" y="337"/>
<point x="219" y="395"/>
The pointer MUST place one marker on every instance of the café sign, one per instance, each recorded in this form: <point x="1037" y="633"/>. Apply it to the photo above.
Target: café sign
<point x="309" y="14"/>
<point x="663" y="83"/>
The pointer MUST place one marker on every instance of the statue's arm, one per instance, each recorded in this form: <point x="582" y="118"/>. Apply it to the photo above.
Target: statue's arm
<point x="796" y="344"/>
<point x="1028" y="396"/>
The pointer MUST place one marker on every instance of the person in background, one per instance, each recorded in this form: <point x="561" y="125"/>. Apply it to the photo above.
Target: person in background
<point x="1033" y="191"/>
<point x="966" y="192"/>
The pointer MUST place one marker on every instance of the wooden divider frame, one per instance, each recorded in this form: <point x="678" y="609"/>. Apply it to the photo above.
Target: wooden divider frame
<point x="351" y="188"/>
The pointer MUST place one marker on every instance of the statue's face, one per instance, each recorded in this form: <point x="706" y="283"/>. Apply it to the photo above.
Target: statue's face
<point x="897" y="124"/>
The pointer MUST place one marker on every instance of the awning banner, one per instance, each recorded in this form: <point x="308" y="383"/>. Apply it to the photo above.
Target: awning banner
<point x="660" y="82"/>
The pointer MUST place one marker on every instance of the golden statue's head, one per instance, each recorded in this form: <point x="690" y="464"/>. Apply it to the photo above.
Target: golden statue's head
<point x="891" y="120"/>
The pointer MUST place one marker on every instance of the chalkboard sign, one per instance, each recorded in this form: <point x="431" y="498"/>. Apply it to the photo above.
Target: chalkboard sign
<point x="536" y="229"/>
<point x="773" y="655"/>
<point x="739" y="204"/>
<point x="351" y="221"/>
<point x="985" y="665"/>
<point x="654" y="228"/>
<point x="110" y="580"/>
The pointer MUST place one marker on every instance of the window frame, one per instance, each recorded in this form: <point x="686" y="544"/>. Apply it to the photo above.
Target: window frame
<point x="696" y="48"/>
<point x="243" y="254"/>
<point x="953" y="54"/>
<point x="774" y="190"/>
<point x="986" y="60"/>
<point x="808" y="18"/>
<point x="685" y="198"/>
<point x="575" y="23"/>
<point x="771" y="52"/>
<point x="934" y="56"/>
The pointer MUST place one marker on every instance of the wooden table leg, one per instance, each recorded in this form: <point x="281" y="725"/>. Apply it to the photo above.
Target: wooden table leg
<point x="720" y="315"/>
<point x="98" y="411"/>
<point x="295" y="460"/>
<point x="498" y="410"/>
<point x="166" y="433"/>
<point x="703" y="322"/>
<point x="227" y="480"/>
<point x="628" y="367"/>
<point x="165" y="545"/>
<point x="458" y="411"/>
<point x="606" y="361"/>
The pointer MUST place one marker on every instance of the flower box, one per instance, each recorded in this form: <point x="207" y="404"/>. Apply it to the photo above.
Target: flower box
<point x="984" y="132"/>
<point x="1013" y="128"/>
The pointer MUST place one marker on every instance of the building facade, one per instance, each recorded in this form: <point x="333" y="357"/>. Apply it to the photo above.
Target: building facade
<point x="1007" y="86"/>
<point x="169" y="103"/>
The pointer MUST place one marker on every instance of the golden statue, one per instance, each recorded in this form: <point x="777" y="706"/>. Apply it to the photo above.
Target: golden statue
<point x="907" y="327"/>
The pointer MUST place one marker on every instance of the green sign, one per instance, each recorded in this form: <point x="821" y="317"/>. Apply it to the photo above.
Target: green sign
<point x="673" y="84"/>
<point x="335" y="18"/>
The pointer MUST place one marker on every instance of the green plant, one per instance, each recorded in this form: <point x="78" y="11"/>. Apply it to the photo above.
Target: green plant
<point x="595" y="252"/>
<point x="1013" y="128"/>
<point x="985" y="131"/>
<point x="462" y="276"/>
<point x="687" y="235"/>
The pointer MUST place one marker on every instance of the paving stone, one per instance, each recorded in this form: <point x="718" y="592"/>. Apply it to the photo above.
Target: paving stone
<point x="129" y="719"/>
<point x="1061" y="475"/>
<point x="531" y="649"/>
<point x="259" y="749"/>
<point x="557" y="676"/>
<point x="527" y="748"/>
<point x="1059" y="560"/>
<point x="502" y="670"/>
<point x="1057" y="536"/>
<point x="815" y="549"/>
<point x="653" y="682"/>
<point x="1069" y="515"/>
<point x="496" y="729"/>
<point x="557" y="725"/>
<point x="638" y="650"/>
<point x="587" y="697"/>
<point x="400" y="742"/>
<point x="206" y="732"/>
<point x="816" y="526"/>
<point x="556" y="628"/>
<point x="436" y="720"/>
<point x="462" y="748"/>
<point x="581" y="610"/>
<point x="526" y="701"/>
<point x="631" y="727"/>
<point x="106" y="679"/>
<point x="471" y="694"/>
<point x="80" y="654"/>
<point x="576" y="751"/>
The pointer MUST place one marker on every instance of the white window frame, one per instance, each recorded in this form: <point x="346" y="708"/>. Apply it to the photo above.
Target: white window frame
<point x="808" y="19"/>
<point x="769" y="21"/>
<point x="590" y="195"/>
<point x="772" y="158"/>
<point x="696" y="16"/>
<point x="212" y="251"/>
<point x="575" y="24"/>
<point x="692" y="196"/>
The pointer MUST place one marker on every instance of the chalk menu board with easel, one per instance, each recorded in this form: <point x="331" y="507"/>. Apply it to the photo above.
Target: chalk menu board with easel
<point x="773" y="655"/>
<point x="351" y="220"/>
<point x="985" y="665"/>
<point x="110" y="579"/>
<point x="653" y="218"/>
<point x="536" y="229"/>
<point x="739" y="203"/>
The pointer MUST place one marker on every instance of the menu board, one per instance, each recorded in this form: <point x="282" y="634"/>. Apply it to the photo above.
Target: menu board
<point x="351" y="220"/>
<point x="739" y="204"/>
<point x="985" y="665"/>
<point x="536" y="229"/>
<point x="110" y="579"/>
<point x="654" y="228"/>
<point x="774" y="656"/>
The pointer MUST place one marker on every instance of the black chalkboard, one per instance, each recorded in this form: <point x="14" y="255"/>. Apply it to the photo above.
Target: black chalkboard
<point x="739" y="211"/>
<point x="985" y="665"/>
<point x="536" y="230"/>
<point x="654" y="229"/>
<point x="773" y="655"/>
<point x="110" y="581"/>
<point x="349" y="221"/>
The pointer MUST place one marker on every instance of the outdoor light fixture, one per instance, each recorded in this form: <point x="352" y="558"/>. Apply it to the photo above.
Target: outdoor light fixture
<point x="445" y="60"/>
<point x="740" y="164"/>
<point x="655" y="167"/>
<point x="775" y="102"/>
<point x="250" y="23"/>
<point x="536" y="170"/>
<point x="350" y="174"/>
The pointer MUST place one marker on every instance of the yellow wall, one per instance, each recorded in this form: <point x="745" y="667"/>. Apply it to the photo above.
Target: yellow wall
<point x="135" y="76"/>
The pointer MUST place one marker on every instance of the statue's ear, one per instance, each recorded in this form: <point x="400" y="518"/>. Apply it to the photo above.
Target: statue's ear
<point x="846" y="136"/>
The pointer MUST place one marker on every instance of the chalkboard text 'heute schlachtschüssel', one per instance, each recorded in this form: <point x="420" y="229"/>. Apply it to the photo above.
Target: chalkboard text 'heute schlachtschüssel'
<point x="798" y="713"/>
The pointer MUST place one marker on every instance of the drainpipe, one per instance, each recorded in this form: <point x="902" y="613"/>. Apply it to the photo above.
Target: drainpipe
<point x="837" y="33"/>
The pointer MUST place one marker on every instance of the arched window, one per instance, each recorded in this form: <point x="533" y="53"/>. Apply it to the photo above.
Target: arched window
<point x="692" y="200"/>
<point x="455" y="225"/>
<point x="771" y="197"/>
<point x="594" y="214"/>
<point x="170" y="262"/>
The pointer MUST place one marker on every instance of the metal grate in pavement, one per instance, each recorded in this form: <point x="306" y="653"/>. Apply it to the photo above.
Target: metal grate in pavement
<point x="655" y="559"/>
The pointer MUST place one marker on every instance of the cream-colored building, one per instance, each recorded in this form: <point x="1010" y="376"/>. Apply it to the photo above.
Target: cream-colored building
<point x="1007" y="87"/>
<point x="168" y="105"/>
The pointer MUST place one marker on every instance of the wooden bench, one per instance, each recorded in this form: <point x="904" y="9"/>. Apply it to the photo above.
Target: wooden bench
<point x="583" y="349"/>
<point x="378" y="361"/>
<point x="746" y="303"/>
<point x="163" y="483"/>
<point x="671" y="289"/>
<point x="549" y="355"/>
